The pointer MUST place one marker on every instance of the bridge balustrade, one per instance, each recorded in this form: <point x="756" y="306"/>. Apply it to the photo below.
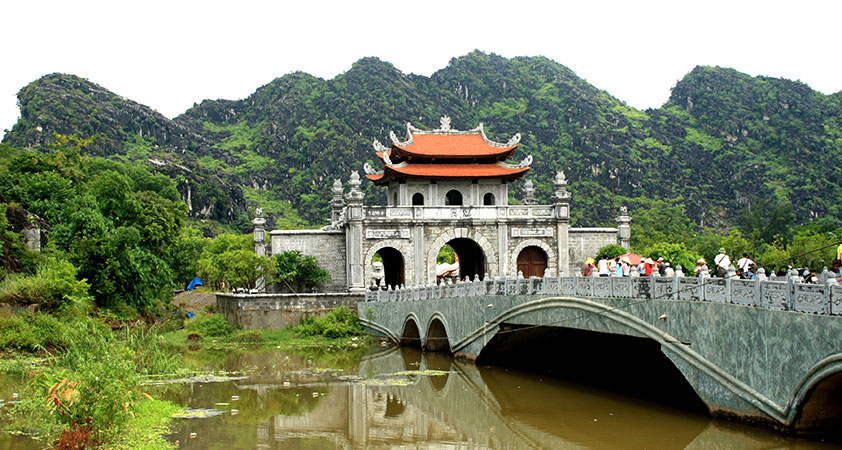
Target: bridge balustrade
<point x="782" y="295"/>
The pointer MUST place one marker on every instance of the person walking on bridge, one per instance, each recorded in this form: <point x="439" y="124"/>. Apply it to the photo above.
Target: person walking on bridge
<point x="722" y="262"/>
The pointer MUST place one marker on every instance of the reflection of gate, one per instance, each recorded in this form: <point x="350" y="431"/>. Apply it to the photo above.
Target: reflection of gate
<point x="532" y="261"/>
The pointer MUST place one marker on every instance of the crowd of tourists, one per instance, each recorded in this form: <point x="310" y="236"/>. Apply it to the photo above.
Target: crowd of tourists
<point x="745" y="268"/>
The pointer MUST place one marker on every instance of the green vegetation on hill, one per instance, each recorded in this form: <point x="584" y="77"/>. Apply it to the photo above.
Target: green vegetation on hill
<point x="723" y="143"/>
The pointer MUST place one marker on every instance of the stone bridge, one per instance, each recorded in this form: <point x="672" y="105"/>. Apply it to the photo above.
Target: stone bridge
<point x="763" y="351"/>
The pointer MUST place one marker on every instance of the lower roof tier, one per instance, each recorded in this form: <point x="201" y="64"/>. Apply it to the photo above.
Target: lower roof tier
<point x="447" y="171"/>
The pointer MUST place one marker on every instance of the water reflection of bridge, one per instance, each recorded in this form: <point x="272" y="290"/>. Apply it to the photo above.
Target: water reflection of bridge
<point x="480" y="408"/>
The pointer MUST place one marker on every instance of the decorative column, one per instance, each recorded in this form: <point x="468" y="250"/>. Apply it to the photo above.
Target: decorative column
<point x="259" y="243"/>
<point x="562" y="214"/>
<point x="259" y="232"/>
<point x="354" y="235"/>
<point x="623" y="228"/>
<point x="529" y="194"/>
<point x="337" y="202"/>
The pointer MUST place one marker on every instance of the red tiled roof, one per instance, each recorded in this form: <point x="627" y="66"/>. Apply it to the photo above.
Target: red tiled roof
<point x="453" y="146"/>
<point x="448" y="171"/>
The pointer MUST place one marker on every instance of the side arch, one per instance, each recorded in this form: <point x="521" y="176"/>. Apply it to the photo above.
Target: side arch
<point x="400" y="246"/>
<point x="551" y="259"/>
<point x="451" y="234"/>
<point x="411" y="334"/>
<point x="437" y="338"/>
<point x="822" y="380"/>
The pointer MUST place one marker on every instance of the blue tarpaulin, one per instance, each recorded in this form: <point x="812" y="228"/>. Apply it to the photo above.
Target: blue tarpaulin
<point x="193" y="283"/>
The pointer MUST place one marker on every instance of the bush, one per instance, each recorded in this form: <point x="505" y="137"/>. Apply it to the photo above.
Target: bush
<point x="338" y="323"/>
<point x="54" y="286"/>
<point x="610" y="251"/>
<point x="211" y="325"/>
<point x="31" y="332"/>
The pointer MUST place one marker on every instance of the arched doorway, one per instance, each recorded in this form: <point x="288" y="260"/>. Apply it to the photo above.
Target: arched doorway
<point x="532" y="261"/>
<point x="453" y="198"/>
<point x="393" y="265"/>
<point x="470" y="258"/>
<point x="437" y="338"/>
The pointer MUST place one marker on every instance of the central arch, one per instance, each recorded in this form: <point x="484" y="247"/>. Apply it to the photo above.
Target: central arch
<point x="471" y="258"/>
<point x="477" y="242"/>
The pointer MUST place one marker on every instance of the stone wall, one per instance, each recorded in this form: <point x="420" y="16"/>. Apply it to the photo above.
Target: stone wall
<point x="275" y="311"/>
<point x="586" y="242"/>
<point x="328" y="247"/>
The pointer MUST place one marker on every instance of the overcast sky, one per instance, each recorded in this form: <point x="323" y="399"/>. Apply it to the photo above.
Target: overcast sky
<point x="170" y="54"/>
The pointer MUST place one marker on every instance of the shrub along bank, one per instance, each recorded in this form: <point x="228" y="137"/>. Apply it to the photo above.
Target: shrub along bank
<point x="338" y="329"/>
<point x="85" y="391"/>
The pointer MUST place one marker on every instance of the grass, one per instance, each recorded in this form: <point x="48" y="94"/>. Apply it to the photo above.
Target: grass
<point x="146" y="429"/>
<point x="338" y="330"/>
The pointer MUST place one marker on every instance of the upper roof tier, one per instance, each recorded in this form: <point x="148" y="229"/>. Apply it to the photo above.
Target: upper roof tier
<point x="445" y="153"/>
<point x="447" y="143"/>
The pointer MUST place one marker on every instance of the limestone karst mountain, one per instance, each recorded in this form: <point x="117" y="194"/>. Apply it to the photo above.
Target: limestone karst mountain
<point x="723" y="142"/>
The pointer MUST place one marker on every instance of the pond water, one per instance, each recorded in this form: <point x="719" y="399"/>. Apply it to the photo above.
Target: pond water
<point x="398" y="397"/>
<point x="401" y="398"/>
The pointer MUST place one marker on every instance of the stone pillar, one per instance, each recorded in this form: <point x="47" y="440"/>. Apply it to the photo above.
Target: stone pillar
<point x="562" y="216"/>
<point x="624" y="228"/>
<point x="259" y="232"/>
<point x="354" y="236"/>
<point x="259" y="243"/>
<point x="337" y="202"/>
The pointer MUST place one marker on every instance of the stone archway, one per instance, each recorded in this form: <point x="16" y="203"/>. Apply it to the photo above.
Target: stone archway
<point x="548" y="250"/>
<point x="489" y="252"/>
<point x="399" y="249"/>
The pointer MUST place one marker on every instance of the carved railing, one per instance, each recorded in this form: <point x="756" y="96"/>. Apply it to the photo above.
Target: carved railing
<point x="789" y="295"/>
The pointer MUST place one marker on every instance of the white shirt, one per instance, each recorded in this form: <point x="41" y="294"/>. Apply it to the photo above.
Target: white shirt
<point x="603" y="267"/>
<point x="744" y="263"/>
<point x="722" y="260"/>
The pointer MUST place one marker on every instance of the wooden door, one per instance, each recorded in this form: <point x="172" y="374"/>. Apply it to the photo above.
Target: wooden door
<point x="532" y="261"/>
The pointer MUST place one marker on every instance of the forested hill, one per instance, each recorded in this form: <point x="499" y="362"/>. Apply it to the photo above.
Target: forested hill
<point x="725" y="142"/>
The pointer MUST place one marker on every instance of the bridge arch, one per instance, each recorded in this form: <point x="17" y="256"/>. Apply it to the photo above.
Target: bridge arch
<point x="551" y="258"/>
<point x="817" y="404"/>
<point x="411" y="336"/>
<point x="395" y="249"/>
<point x="684" y="357"/>
<point x="448" y="235"/>
<point x="437" y="339"/>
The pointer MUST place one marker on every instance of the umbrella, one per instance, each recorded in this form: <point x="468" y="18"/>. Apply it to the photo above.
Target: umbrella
<point x="633" y="258"/>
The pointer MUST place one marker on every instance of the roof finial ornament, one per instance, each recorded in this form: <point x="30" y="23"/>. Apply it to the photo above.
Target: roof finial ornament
<point x="445" y="123"/>
<point x="369" y="169"/>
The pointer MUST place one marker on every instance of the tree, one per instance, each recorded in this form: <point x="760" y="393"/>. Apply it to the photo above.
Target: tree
<point x="298" y="271"/>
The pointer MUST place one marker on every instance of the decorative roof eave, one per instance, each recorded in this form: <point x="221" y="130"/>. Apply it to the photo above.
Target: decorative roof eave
<point x="369" y="170"/>
<point x="524" y="163"/>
